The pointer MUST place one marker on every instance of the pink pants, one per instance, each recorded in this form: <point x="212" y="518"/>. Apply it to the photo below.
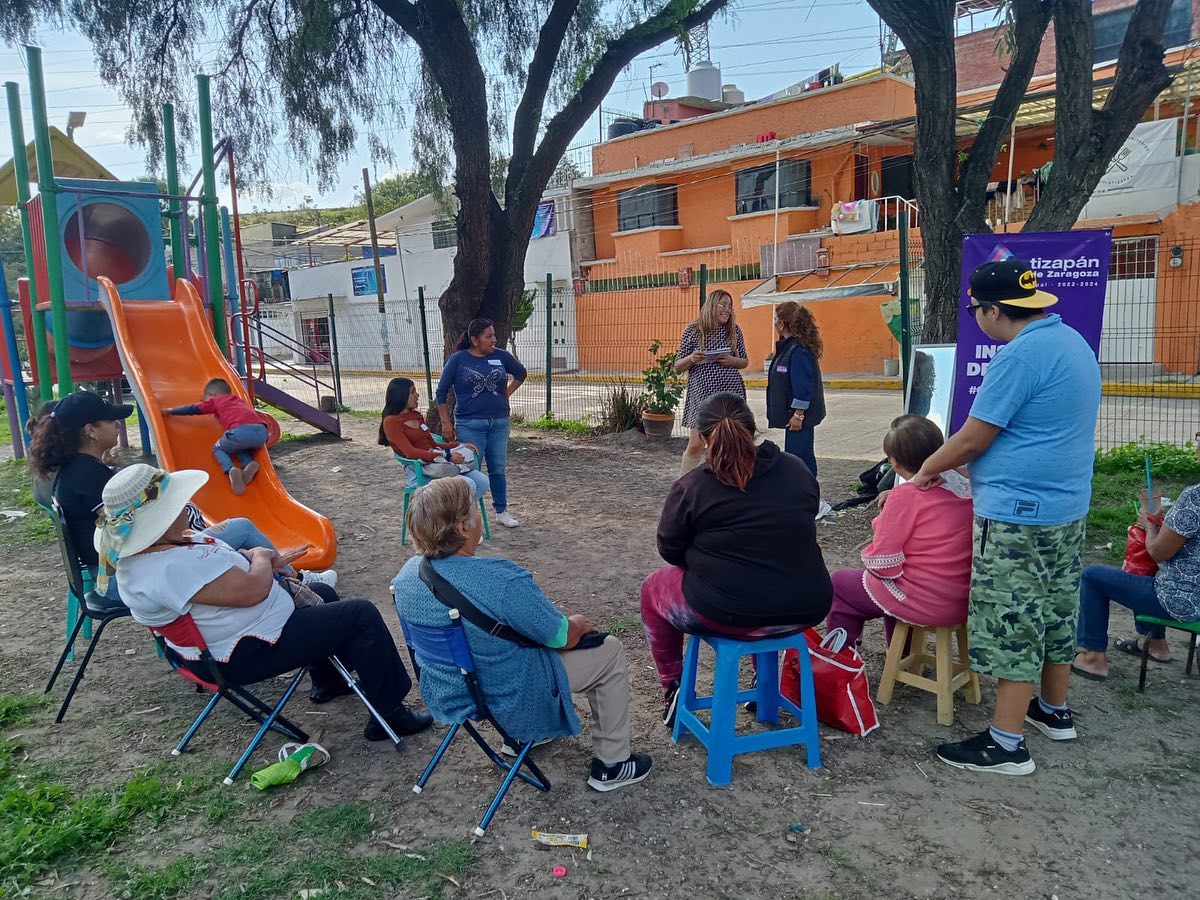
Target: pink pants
<point x="667" y="617"/>
<point x="853" y="607"/>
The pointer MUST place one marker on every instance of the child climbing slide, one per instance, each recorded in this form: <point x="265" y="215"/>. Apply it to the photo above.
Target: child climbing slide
<point x="244" y="431"/>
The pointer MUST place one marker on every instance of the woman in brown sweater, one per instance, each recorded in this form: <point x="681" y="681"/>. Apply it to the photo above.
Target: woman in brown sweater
<point x="404" y="430"/>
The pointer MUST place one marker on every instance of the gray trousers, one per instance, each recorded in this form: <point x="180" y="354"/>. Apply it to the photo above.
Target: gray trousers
<point x="603" y="674"/>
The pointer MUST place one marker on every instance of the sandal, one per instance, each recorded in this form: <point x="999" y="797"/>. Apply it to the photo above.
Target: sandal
<point x="1134" y="648"/>
<point x="1090" y="676"/>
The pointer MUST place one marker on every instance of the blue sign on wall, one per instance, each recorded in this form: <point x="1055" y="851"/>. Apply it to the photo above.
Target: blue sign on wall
<point x="363" y="280"/>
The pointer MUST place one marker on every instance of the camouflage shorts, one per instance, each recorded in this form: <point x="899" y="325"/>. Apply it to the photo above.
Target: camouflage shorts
<point x="1024" y="597"/>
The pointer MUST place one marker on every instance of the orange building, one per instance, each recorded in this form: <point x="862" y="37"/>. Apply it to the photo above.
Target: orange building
<point x="802" y="198"/>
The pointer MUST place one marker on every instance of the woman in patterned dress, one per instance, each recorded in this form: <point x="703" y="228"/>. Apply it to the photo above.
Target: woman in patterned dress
<point x="712" y="350"/>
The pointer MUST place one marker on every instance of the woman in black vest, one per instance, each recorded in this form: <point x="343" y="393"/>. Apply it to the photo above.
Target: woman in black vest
<point x="795" y="394"/>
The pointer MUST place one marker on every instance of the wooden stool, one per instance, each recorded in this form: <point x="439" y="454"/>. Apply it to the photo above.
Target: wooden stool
<point x="948" y="675"/>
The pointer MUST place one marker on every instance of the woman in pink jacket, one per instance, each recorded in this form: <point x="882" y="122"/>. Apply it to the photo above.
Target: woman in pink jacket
<point x="918" y="564"/>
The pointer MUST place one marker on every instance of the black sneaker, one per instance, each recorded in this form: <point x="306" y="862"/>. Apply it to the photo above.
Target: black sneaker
<point x="670" y="704"/>
<point x="403" y="721"/>
<point x="982" y="754"/>
<point x="609" y="778"/>
<point x="1058" y="726"/>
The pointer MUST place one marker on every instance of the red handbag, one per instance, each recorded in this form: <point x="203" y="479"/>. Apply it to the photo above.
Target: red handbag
<point x="840" y="679"/>
<point x="1138" y="560"/>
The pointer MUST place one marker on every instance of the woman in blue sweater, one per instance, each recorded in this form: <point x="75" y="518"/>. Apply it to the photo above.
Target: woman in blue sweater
<point x="795" y="393"/>
<point x="483" y="377"/>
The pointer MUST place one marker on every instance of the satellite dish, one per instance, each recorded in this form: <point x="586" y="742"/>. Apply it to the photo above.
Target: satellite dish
<point x="659" y="89"/>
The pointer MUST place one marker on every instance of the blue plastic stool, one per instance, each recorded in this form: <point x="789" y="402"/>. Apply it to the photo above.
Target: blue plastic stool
<point x="719" y="737"/>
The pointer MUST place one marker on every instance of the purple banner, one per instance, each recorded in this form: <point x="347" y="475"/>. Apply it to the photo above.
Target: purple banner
<point x="1072" y="265"/>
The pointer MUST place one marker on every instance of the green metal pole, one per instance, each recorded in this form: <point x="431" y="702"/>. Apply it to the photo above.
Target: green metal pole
<point x="703" y="283"/>
<point x="49" y="192"/>
<point x="178" y="251"/>
<point x="425" y="345"/>
<point x="21" y="173"/>
<point x="208" y="203"/>
<point x="905" y="303"/>
<point x="333" y="354"/>
<point x="549" y="342"/>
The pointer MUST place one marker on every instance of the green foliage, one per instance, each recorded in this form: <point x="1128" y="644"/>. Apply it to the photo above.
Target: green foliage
<point x="621" y="411"/>
<point x="664" y="385"/>
<point x="12" y="251"/>
<point x="524" y="311"/>
<point x="1166" y="460"/>
<point x="16" y="493"/>
<point x="1114" y="505"/>
<point x="550" y="422"/>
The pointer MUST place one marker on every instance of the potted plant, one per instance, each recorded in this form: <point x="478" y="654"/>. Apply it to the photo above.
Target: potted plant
<point x="664" y="388"/>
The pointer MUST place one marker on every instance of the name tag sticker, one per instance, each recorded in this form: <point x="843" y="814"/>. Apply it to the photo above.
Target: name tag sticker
<point x="781" y="368"/>
<point x="495" y="362"/>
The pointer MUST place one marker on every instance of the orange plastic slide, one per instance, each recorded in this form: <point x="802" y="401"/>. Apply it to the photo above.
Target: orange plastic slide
<point x="168" y="352"/>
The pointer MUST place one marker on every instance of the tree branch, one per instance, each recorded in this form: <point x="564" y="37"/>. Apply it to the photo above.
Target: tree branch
<point x="541" y="68"/>
<point x="617" y="55"/>
<point x="1086" y="138"/>
<point x="1030" y="20"/>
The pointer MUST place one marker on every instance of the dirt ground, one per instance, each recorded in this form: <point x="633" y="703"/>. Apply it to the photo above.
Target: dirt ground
<point x="1113" y="815"/>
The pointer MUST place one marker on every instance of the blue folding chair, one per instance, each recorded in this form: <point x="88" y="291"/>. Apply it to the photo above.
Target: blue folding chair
<point x="447" y="646"/>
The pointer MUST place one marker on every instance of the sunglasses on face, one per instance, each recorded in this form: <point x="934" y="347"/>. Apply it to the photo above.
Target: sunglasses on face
<point x="972" y="308"/>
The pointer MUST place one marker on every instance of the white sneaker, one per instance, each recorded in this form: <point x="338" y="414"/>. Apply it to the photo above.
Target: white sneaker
<point x="509" y="751"/>
<point x="506" y="519"/>
<point x="328" y="577"/>
<point x="824" y="509"/>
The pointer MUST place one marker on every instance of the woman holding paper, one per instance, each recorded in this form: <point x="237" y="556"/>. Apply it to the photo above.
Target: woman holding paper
<point x="712" y="350"/>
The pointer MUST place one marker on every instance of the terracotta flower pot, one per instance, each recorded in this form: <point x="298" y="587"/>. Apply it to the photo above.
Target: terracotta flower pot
<point x="658" y="425"/>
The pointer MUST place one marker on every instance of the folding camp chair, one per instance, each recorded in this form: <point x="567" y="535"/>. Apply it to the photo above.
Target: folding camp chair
<point x="447" y="646"/>
<point x="80" y="591"/>
<point x="183" y="632"/>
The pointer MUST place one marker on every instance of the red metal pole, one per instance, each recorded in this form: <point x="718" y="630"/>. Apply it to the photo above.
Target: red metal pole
<point x="237" y="224"/>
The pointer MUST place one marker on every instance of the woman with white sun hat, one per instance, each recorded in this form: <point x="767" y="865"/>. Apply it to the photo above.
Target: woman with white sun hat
<point x="253" y="628"/>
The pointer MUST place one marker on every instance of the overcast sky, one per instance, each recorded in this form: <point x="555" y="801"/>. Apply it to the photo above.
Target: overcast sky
<point x="763" y="47"/>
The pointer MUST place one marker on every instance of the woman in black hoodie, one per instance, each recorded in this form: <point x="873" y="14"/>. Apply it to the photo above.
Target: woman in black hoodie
<point x="739" y="537"/>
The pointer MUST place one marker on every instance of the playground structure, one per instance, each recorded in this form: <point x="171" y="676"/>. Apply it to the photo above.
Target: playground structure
<point x="103" y="304"/>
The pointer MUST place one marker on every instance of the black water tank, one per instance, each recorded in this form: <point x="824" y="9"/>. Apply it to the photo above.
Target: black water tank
<point x="621" y="127"/>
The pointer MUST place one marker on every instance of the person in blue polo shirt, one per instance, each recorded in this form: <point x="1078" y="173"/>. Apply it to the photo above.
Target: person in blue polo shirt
<point x="480" y="375"/>
<point x="1029" y="444"/>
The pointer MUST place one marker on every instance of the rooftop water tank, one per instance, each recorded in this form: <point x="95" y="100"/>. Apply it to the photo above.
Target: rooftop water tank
<point x="731" y="95"/>
<point x="621" y="127"/>
<point x="704" y="80"/>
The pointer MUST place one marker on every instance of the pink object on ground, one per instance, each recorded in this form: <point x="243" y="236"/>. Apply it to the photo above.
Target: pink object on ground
<point x="560" y="872"/>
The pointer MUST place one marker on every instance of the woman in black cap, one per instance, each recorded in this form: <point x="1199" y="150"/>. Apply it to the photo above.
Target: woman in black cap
<point x="71" y="446"/>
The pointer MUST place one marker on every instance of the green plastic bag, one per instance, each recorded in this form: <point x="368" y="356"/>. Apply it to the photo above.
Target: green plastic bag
<point x="293" y="759"/>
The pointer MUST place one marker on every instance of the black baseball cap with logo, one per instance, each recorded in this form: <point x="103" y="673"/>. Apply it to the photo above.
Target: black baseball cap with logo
<point x="85" y="408"/>
<point x="1011" y="282"/>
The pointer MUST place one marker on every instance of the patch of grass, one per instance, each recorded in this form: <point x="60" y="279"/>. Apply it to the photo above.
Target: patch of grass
<point x="371" y="414"/>
<point x="551" y="422"/>
<point x="318" y="850"/>
<point x="1114" y="499"/>
<point x="43" y="824"/>
<point x="15" y="710"/>
<point x="625" y="623"/>
<point x="16" y="493"/>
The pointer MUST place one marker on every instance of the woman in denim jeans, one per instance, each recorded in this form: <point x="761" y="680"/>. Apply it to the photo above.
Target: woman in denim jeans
<point x="483" y="378"/>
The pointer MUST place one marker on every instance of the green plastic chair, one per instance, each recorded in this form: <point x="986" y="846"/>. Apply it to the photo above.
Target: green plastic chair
<point x="422" y="480"/>
<point x="1191" y="628"/>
